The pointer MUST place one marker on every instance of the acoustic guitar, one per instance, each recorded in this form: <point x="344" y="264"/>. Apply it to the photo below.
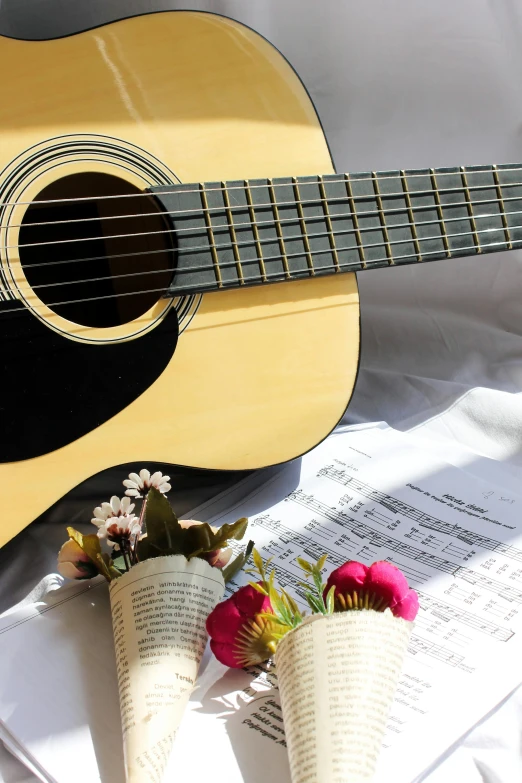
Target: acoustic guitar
<point x="213" y="324"/>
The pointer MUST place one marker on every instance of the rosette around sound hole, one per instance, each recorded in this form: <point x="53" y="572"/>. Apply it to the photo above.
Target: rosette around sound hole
<point x="96" y="250"/>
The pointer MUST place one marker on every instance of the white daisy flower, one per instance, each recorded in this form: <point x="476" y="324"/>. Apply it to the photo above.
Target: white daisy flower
<point x="117" y="528"/>
<point x="139" y="485"/>
<point x="115" y="508"/>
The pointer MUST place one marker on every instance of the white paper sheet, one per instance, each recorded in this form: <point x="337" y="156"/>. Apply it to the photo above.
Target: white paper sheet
<point x="460" y="545"/>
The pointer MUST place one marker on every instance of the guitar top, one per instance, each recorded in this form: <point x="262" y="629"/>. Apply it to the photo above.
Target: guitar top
<point x="213" y="324"/>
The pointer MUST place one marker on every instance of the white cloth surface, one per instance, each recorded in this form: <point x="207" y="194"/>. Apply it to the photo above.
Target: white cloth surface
<point x="397" y="84"/>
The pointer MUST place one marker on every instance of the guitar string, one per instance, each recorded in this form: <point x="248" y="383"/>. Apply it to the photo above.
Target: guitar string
<point x="207" y="210"/>
<point x="234" y="263"/>
<point x="344" y="179"/>
<point x="281" y="275"/>
<point x="225" y="246"/>
<point x="274" y="222"/>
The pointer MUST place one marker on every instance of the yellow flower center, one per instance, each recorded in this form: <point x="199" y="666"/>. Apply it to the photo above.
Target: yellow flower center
<point x="360" y="599"/>
<point x="256" y="642"/>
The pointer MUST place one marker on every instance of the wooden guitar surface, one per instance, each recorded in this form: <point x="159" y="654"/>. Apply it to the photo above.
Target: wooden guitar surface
<point x="257" y="376"/>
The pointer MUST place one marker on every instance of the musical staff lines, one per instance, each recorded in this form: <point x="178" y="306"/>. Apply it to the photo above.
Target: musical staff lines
<point x="419" y="645"/>
<point x="446" y="612"/>
<point x="422" y="519"/>
<point x="305" y="544"/>
<point x="375" y="538"/>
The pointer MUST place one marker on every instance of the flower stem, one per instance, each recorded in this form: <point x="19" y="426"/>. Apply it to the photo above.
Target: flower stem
<point x="142" y="517"/>
<point x="125" y="556"/>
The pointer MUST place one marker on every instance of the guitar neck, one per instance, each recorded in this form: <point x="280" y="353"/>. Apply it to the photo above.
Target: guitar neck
<point x="233" y="234"/>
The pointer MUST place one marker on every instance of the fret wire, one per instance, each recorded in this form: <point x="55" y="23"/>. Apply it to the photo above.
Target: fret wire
<point x="233" y="187"/>
<point x="227" y="264"/>
<point x="259" y="241"/>
<point x="384" y="258"/>
<point x="411" y="216"/>
<point x="355" y="220"/>
<point x="302" y="221"/>
<point x="502" y="208"/>
<point x="326" y="213"/>
<point x="382" y="220"/>
<point x="190" y="288"/>
<point x="470" y="209"/>
<point x="283" y="220"/>
<point x="439" y="212"/>
<point x="253" y="224"/>
<point x="279" y="230"/>
<point x="212" y="241"/>
<point x="235" y="247"/>
<point x="255" y="230"/>
<point x="193" y="288"/>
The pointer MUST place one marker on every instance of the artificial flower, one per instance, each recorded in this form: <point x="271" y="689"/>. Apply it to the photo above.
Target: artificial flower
<point x="73" y="563"/>
<point x="218" y="558"/>
<point x="139" y="485"/>
<point x="239" y="636"/>
<point x="117" y="528"/>
<point x="116" y="508"/>
<point x="115" y="520"/>
<point x="379" y="586"/>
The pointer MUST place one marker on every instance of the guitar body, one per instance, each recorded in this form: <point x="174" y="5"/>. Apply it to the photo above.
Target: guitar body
<point x="226" y="380"/>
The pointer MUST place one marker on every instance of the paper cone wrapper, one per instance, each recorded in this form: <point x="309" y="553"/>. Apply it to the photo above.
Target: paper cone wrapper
<point x="337" y="677"/>
<point x="159" y="609"/>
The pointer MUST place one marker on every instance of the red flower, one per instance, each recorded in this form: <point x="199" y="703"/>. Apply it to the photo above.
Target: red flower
<point x="380" y="586"/>
<point x="239" y="637"/>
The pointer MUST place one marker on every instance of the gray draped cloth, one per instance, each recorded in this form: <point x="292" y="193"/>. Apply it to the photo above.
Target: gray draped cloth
<point x="397" y="84"/>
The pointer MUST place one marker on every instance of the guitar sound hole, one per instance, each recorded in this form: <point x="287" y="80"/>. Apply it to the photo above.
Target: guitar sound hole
<point x="88" y="268"/>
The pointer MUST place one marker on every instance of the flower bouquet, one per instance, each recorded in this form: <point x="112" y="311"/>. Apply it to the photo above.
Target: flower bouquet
<point x="165" y="576"/>
<point x="337" y="667"/>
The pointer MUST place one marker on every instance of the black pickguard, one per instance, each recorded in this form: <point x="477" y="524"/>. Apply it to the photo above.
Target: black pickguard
<point x="53" y="390"/>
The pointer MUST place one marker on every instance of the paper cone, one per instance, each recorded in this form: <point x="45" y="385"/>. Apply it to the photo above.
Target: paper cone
<point x="159" y="609"/>
<point x="337" y="677"/>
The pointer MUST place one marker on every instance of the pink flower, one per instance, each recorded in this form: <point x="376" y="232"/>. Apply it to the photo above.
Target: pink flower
<point x="218" y="557"/>
<point x="238" y="636"/>
<point x="74" y="563"/>
<point x="380" y="586"/>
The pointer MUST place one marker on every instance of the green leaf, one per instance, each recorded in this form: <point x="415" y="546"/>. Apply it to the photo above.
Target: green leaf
<point x="291" y="603"/>
<point x="321" y="562"/>
<point x="330" y="600"/>
<point x="225" y="533"/>
<point x="91" y="546"/>
<point x="305" y="565"/>
<point x="198" y="539"/>
<point x="119" y="563"/>
<point x="318" y="581"/>
<point x="259" y="588"/>
<point x="237" y="564"/>
<point x="278" y="606"/>
<point x="258" y="562"/>
<point x="315" y="604"/>
<point x="277" y="628"/>
<point x="103" y="568"/>
<point x="165" y="536"/>
<point x="145" y="550"/>
<point x="163" y="529"/>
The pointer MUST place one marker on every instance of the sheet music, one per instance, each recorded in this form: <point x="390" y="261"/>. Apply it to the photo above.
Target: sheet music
<point x="370" y="496"/>
<point x="365" y="495"/>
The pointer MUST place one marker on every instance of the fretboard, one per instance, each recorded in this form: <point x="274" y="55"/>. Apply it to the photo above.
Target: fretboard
<point x="233" y="234"/>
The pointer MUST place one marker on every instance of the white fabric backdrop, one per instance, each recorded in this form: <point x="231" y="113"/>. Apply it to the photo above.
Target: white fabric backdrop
<point x="401" y="84"/>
